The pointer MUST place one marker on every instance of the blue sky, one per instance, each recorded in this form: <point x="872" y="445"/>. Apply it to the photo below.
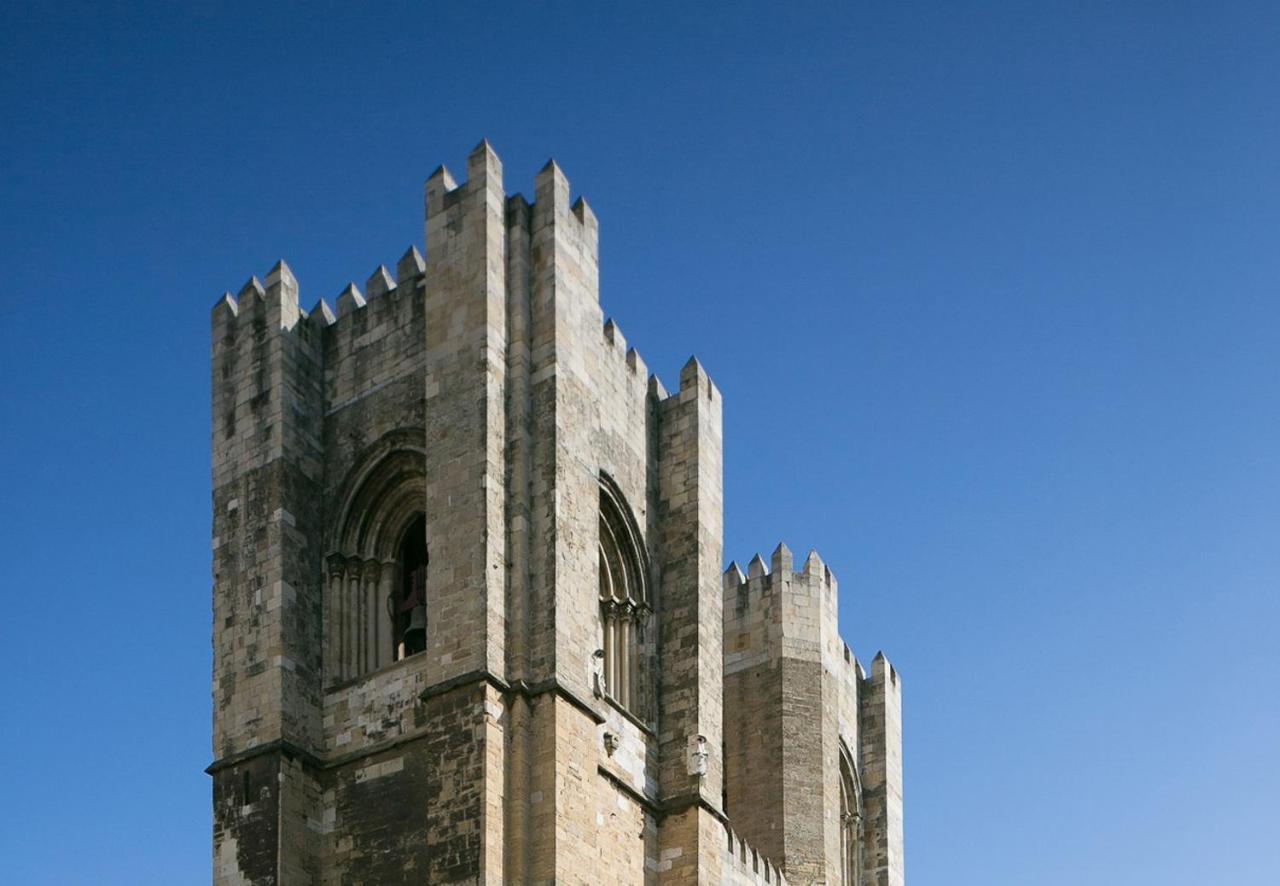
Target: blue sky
<point x="990" y="290"/>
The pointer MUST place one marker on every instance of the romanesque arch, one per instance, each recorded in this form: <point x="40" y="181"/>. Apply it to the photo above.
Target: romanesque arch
<point x="376" y="564"/>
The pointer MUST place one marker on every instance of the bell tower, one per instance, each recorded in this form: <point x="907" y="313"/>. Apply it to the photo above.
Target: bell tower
<point x="469" y="620"/>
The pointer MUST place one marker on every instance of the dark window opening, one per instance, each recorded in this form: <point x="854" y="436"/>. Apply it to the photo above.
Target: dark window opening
<point x="409" y="603"/>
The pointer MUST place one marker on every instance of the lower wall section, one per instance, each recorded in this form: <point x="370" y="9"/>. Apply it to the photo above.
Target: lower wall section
<point x="419" y="812"/>
<point x="569" y="821"/>
<point x="474" y="793"/>
<point x="267" y="822"/>
<point x="246" y="822"/>
<point x="455" y="792"/>
<point x="379" y="818"/>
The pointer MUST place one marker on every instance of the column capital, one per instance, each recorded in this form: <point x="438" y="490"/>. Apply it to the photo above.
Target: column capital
<point x="337" y="564"/>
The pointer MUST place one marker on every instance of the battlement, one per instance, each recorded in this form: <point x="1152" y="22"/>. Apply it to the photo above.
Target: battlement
<point x="276" y="303"/>
<point x="764" y="582"/>
<point x="693" y="376"/>
<point x="742" y="865"/>
<point x="616" y="342"/>
<point x="553" y="218"/>
<point x="774" y="609"/>
<point x="281" y="295"/>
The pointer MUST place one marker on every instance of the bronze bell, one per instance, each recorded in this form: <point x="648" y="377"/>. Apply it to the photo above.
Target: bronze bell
<point x="417" y="620"/>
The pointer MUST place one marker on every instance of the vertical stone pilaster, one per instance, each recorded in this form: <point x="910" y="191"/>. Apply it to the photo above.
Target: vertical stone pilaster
<point x="565" y="324"/>
<point x="690" y="625"/>
<point x="466" y="330"/>
<point x="690" y="622"/>
<point x="268" y="407"/>
<point x="465" y="411"/>
<point x="880" y="731"/>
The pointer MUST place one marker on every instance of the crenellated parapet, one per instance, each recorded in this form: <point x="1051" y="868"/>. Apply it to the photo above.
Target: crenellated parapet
<point x="743" y="865"/>
<point x="776" y="610"/>
<point x="266" y="363"/>
<point x="637" y="371"/>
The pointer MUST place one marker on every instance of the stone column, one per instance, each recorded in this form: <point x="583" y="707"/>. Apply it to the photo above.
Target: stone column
<point x="624" y="658"/>
<point x="333" y="619"/>
<point x="372" y="578"/>
<point x="350" y="629"/>
<point x="386" y="652"/>
<point x="610" y="649"/>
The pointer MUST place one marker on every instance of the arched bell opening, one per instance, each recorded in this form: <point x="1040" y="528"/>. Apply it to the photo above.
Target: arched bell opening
<point x="409" y="604"/>
<point x="378" y="551"/>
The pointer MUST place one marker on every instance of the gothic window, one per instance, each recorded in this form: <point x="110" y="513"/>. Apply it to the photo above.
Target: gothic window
<point x="375" y="606"/>
<point x="624" y="600"/>
<point x="850" y="822"/>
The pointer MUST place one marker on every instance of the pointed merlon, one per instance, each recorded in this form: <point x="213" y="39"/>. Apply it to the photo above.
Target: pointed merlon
<point x="484" y="153"/>
<point x="756" y="568"/>
<point x="881" y="667"/>
<point x="733" y="576"/>
<point x="226" y="303"/>
<point x="813" y="565"/>
<point x="636" y="364"/>
<point x="439" y="183"/>
<point x="282" y="275"/>
<point x="613" y="335"/>
<point x="410" y="265"/>
<point x="252" y="287"/>
<point x="323" y="314"/>
<point x="444" y="176"/>
<point x="282" y="294"/>
<point x="483" y="162"/>
<point x="584" y="213"/>
<point x="693" y="377"/>
<point x="657" y="390"/>
<point x="551" y="188"/>
<point x="380" y="283"/>
<point x="350" y="300"/>
<point x="783" y="562"/>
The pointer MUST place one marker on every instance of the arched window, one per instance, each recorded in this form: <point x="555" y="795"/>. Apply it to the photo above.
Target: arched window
<point x="375" y="606"/>
<point x="624" y="600"/>
<point x="850" y="822"/>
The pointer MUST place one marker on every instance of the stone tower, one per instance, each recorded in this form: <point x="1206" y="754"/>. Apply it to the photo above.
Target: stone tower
<point x="470" y="624"/>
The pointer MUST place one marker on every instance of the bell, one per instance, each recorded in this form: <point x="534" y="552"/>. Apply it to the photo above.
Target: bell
<point x="417" y="620"/>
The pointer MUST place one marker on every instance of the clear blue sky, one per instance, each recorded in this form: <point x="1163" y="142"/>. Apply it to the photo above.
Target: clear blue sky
<point x="990" y="289"/>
